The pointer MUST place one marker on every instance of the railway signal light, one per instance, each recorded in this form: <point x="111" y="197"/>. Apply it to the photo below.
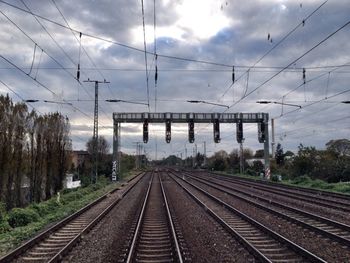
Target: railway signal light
<point x="262" y="132"/>
<point x="168" y="131"/>
<point x="145" y="131"/>
<point x="216" y="127"/>
<point x="191" y="131"/>
<point x="239" y="131"/>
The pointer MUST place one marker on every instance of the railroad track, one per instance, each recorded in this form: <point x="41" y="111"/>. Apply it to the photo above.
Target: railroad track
<point x="327" y="199"/>
<point x="154" y="239"/>
<point x="54" y="243"/>
<point x="265" y="244"/>
<point x="331" y="229"/>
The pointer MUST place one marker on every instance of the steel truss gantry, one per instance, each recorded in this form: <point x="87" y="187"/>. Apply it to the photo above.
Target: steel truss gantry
<point x="261" y="119"/>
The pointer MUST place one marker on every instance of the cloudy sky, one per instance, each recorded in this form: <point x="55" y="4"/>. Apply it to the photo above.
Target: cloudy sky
<point x="269" y="43"/>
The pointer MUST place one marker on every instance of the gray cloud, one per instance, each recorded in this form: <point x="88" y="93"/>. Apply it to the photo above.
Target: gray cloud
<point x="241" y="42"/>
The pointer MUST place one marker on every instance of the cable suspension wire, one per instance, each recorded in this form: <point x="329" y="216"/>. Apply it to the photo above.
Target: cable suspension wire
<point x="145" y="51"/>
<point x="155" y="56"/>
<point x="84" y="50"/>
<point x="294" y="61"/>
<point x="31" y="66"/>
<point x="45" y="29"/>
<point x="274" y="47"/>
<point x="47" y="88"/>
<point x="19" y="96"/>
<point x="43" y="51"/>
<point x="315" y="102"/>
<point x="125" y="45"/>
<point x="51" y="57"/>
<point x="315" y="78"/>
<point x="268" y="69"/>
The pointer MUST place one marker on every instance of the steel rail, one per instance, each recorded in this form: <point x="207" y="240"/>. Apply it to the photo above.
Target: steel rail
<point x="233" y="232"/>
<point x="139" y="222"/>
<point x="40" y="237"/>
<point x="331" y="235"/>
<point x="171" y="223"/>
<point x="319" y="192"/>
<point x="58" y="257"/>
<point x="321" y="200"/>
<point x="298" y="249"/>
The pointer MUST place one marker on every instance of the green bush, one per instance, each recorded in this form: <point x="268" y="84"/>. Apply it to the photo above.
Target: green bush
<point x="274" y="178"/>
<point x="2" y="211"/>
<point x="22" y="217"/>
<point x="301" y="179"/>
<point x="4" y="227"/>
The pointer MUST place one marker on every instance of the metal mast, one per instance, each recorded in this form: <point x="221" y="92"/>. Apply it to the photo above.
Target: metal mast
<point x="95" y="133"/>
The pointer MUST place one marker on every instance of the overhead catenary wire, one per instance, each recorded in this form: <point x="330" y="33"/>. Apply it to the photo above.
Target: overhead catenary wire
<point x="145" y="51"/>
<point x="317" y="77"/>
<point x="81" y="47"/>
<point x="274" y="46"/>
<point x="261" y="58"/>
<point x="31" y="66"/>
<point x="48" y="33"/>
<point x="154" y="52"/>
<point x="294" y="61"/>
<point x="262" y="69"/>
<point x="129" y="46"/>
<point x="19" y="96"/>
<point x="155" y="56"/>
<point x="48" y="89"/>
<point x="43" y="51"/>
<point x="315" y="102"/>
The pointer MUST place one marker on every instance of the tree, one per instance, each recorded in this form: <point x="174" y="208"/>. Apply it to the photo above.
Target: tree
<point x="104" y="162"/>
<point x="340" y="147"/>
<point x="247" y="153"/>
<point x="279" y="156"/>
<point x="219" y="161"/>
<point x="259" y="153"/>
<point x="33" y="147"/>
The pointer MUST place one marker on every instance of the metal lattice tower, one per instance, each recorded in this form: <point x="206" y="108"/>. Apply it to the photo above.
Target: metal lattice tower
<point x="95" y="132"/>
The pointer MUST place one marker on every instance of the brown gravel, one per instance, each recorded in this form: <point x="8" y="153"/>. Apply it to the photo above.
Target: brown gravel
<point x="321" y="246"/>
<point x="105" y="243"/>
<point x="207" y="241"/>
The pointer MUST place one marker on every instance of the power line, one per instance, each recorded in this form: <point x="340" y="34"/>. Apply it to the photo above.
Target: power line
<point x="275" y="46"/>
<point x="145" y="50"/>
<point x="55" y="60"/>
<point x="156" y="57"/>
<point x="315" y="102"/>
<point x="294" y="61"/>
<point x="315" y="78"/>
<point x="120" y="44"/>
<point x="57" y="44"/>
<point x="41" y="84"/>
<point x="19" y="96"/>
<point x="82" y="47"/>
<point x="262" y="69"/>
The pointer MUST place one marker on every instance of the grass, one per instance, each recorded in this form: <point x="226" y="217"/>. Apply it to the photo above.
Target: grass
<point x="51" y="211"/>
<point x="307" y="182"/>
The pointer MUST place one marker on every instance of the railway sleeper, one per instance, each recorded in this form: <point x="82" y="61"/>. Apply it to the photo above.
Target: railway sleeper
<point x="31" y="259"/>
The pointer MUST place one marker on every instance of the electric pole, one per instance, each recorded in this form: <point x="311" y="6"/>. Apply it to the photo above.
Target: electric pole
<point x="205" y="155"/>
<point x="95" y="133"/>
<point x="241" y="159"/>
<point x="273" y="137"/>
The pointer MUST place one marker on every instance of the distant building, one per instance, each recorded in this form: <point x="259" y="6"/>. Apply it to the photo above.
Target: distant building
<point x="69" y="183"/>
<point x="79" y="157"/>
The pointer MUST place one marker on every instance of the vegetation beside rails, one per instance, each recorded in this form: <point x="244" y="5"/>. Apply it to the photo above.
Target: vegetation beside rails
<point x="301" y="181"/>
<point x="305" y="181"/>
<point x="20" y="224"/>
